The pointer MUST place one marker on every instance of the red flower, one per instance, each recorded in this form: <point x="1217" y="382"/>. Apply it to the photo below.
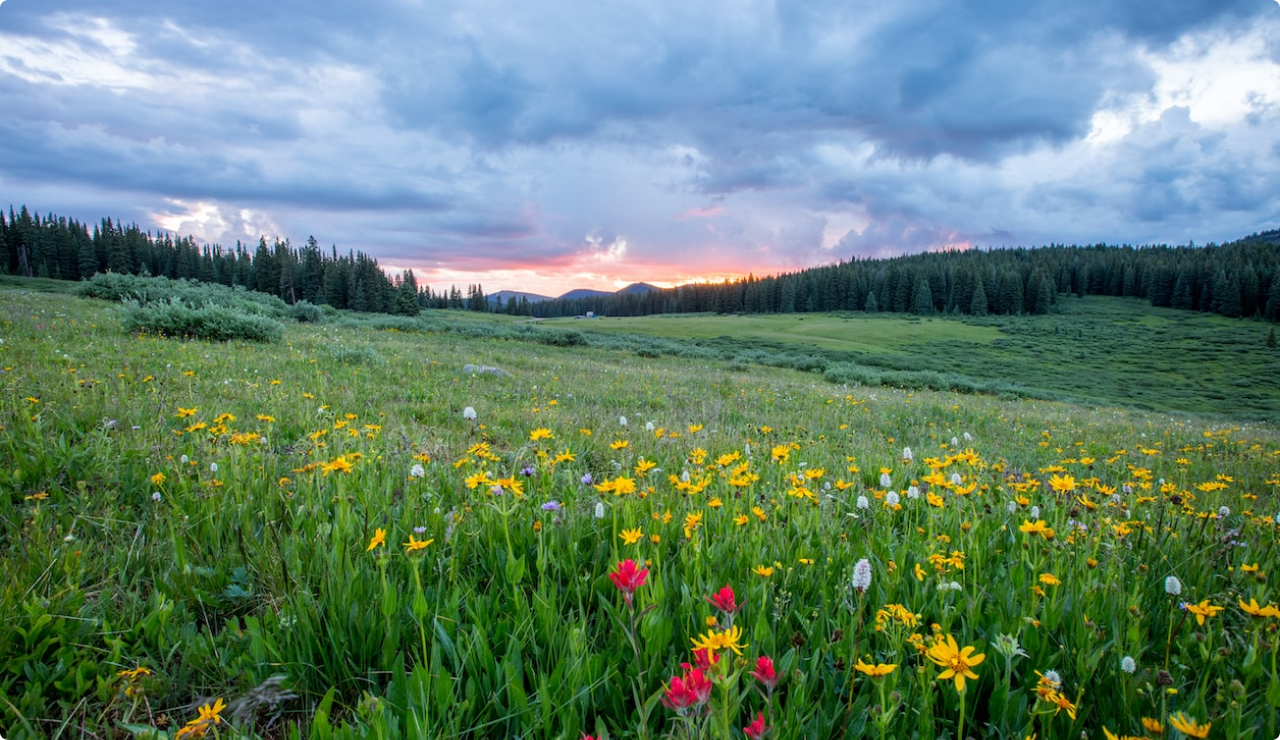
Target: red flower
<point x="628" y="578"/>
<point x="691" y="691"/>
<point x="764" y="672"/>
<point x="703" y="660"/>
<point x="756" y="729"/>
<point x="724" y="600"/>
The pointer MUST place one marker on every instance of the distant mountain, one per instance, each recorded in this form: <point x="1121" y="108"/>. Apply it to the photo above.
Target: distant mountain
<point x="501" y="297"/>
<point x="589" y="293"/>
<point x="639" y="288"/>
<point x="583" y="293"/>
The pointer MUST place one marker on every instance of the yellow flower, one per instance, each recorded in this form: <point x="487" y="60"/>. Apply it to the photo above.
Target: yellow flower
<point x="414" y="545"/>
<point x="695" y="428"/>
<point x="1189" y="727"/>
<point x="158" y="479"/>
<point x="184" y="413"/>
<point x="631" y="536"/>
<point x="713" y="641"/>
<point x="339" y="464"/>
<point x="875" y="671"/>
<point x="540" y="433"/>
<point x="1203" y="609"/>
<point x="741" y="520"/>
<point x="762" y="570"/>
<point x="379" y="538"/>
<point x="957" y="662"/>
<point x="1152" y="725"/>
<point x="619" y="444"/>
<point x="692" y="522"/>
<point x="1062" y="483"/>
<point x="1049" y="579"/>
<point x="1253" y="610"/>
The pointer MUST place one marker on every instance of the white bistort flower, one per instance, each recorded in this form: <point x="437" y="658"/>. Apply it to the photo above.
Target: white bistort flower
<point x="907" y="455"/>
<point x="1172" y="586"/>
<point x="599" y="510"/>
<point x="885" y="480"/>
<point x="417" y="471"/>
<point x="863" y="503"/>
<point x="862" y="575"/>
<point x="891" y="498"/>
<point x="1127" y="665"/>
<point x="622" y="421"/>
<point x="469" y="413"/>
<point x="913" y="492"/>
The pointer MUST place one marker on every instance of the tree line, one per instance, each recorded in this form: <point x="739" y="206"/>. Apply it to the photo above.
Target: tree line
<point x="1237" y="279"/>
<point x="65" y="249"/>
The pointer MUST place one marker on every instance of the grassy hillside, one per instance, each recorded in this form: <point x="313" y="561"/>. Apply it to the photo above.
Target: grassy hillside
<point x="1097" y="350"/>
<point x="313" y="538"/>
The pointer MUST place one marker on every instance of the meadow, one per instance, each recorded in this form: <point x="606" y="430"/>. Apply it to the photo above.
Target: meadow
<point x="340" y="534"/>
<point x="1113" y="351"/>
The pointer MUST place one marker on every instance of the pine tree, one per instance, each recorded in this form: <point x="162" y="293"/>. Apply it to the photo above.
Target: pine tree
<point x="978" y="305"/>
<point x="922" y="297"/>
<point x="872" y="305"/>
<point x="1271" y="337"/>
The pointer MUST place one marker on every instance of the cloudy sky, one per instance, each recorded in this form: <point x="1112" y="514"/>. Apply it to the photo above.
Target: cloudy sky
<point x="550" y="145"/>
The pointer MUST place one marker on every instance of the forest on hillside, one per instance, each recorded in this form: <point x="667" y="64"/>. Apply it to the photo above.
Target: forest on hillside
<point x="1239" y="279"/>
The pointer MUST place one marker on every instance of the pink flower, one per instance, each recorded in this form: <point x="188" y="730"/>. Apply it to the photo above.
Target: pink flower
<point x="628" y="577"/>
<point x="692" y="691"/>
<point x="764" y="672"/>
<point x="756" y="729"/>
<point x="724" y="600"/>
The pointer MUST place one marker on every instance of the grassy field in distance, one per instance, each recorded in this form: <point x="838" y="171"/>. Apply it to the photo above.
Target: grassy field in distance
<point x="1095" y="350"/>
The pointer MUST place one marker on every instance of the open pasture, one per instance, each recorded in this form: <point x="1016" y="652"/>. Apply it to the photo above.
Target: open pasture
<point x="342" y="535"/>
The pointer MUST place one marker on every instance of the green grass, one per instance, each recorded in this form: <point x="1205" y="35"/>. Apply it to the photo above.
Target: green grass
<point x="839" y="332"/>
<point x="251" y="578"/>
<point x="1096" y="350"/>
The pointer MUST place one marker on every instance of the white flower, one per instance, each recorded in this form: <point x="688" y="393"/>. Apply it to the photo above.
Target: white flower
<point x="967" y="438"/>
<point x="862" y="575"/>
<point x="1224" y="512"/>
<point x="907" y="454"/>
<point x="1127" y="665"/>
<point x="891" y="498"/>
<point x="599" y="510"/>
<point x="1053" y="679"/>
<point x="213" y="467"/>
<point x="622" y="421"/>
<point x="956" y="480"/>
<point x="1035" y="512"/>
<point x="469" y="413"/>
<point x="417" y="471"/>
<point x="863" y="503"/>
<point x="156" y="497"/>
<point x="1172" y="586"/>
<point x="955" y="442"/>
<point x="648" y="426"/>
<point x="885" y="480"/>
<point x="185" y="459"/>
<point x="913" y="492"/>
<point x="1012" y="506"/>
<point x="746" y="449"/>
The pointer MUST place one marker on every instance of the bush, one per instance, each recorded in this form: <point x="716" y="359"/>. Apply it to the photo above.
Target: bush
<point x="306" y="312"/>
<point x="191" y="293"/>
<point x="212" y="322"/>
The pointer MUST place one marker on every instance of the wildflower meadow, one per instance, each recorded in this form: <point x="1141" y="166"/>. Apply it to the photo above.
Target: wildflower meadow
<point x="342" y="534"/>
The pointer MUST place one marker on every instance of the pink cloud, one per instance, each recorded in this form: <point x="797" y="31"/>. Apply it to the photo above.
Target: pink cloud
<point x="700" y="213"/>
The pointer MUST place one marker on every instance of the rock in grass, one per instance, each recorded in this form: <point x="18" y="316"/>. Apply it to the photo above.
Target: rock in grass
<point x="485" y="370"/>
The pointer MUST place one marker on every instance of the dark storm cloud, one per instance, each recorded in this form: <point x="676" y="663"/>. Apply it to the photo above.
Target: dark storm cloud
<point x="492" y="126"/>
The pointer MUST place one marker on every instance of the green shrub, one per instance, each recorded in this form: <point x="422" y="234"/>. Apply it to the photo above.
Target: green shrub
<point x="213" y="322"/>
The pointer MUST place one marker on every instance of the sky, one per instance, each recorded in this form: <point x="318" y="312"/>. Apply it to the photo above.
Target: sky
<point x="544" y="146"/>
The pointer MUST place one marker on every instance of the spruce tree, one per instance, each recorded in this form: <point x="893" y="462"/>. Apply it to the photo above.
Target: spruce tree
<point x="978" y="304"/>
<point x="872" y="305"/>
<point x="922" y="297"/>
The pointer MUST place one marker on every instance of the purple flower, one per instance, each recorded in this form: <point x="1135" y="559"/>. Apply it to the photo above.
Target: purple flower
<point x="526" y="471"/>
<point x="552" y="505"/>
<point x="419" y="530"/>
<point x="586" y="479"/>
